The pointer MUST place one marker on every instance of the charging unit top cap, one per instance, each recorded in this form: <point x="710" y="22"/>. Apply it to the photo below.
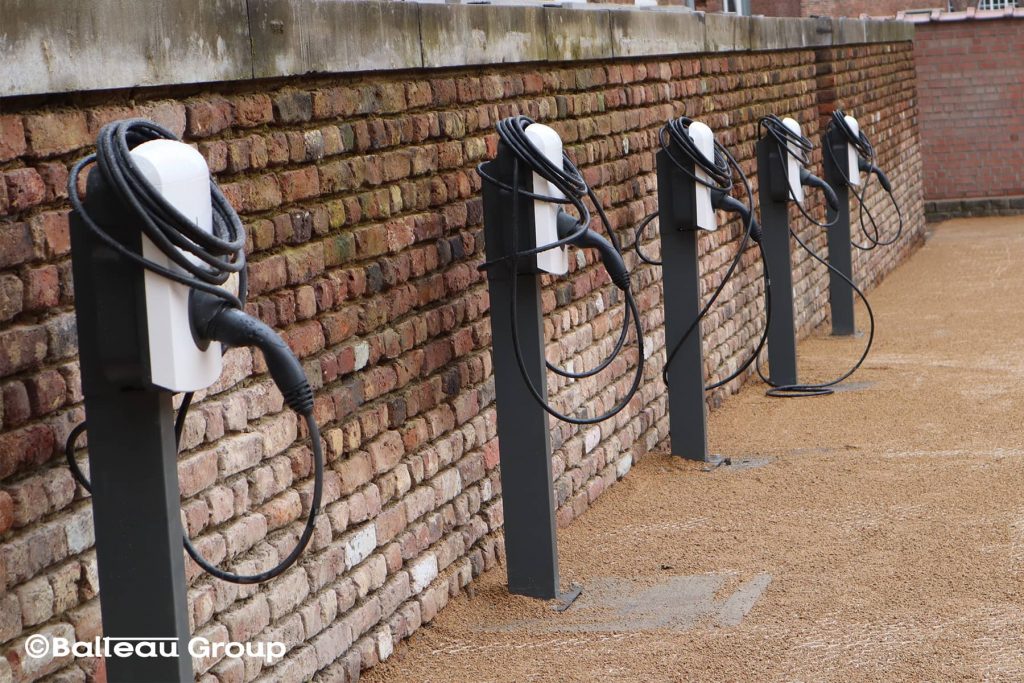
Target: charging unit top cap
<point x="704" y="139"/>
<point x="853" y="159"/>
<point x="545" y="214"/>
<point x="180" y="174"/>
<point x="793" y="165"/>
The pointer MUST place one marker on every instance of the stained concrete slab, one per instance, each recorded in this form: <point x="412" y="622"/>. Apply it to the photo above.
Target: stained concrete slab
<point x="292" y="38"/>
<point x="676" y="603"/>
<point x="637" y="34"/>
<point x="120" y="43"/>
<point x="457" y="35"/>
<point x="576" y="34"/>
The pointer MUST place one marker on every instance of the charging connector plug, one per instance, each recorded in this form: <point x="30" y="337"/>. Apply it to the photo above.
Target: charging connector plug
<point x="810" y="180"/>
<point x="213" y="319"/>
<point x="588" y="239"/>
<point x="883" y="180"/>
<point x="726" y="202"/>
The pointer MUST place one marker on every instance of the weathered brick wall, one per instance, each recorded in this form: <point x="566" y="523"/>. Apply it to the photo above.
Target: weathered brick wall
<point x="364" y="216"/>
<point x="972" y="86"/>
<point x="776" y="8"/>
<point x="841" y="8"/>
<point x="874" y="8"/>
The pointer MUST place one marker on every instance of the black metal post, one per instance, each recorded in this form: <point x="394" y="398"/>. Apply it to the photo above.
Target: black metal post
<point x="132" y="452"/>
<point x="524" y="438"/>
<point x="773" y="192"/>
<point x="840" y="251"/>
<point x="677" y="218"/>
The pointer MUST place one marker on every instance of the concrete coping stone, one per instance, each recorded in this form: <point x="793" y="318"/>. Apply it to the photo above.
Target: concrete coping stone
<point x="113" y="44"/>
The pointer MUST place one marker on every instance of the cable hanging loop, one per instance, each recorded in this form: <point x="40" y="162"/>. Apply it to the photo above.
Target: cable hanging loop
<point x="570" y="182"/>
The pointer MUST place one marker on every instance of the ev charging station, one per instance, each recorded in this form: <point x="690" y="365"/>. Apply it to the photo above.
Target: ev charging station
<point x="776" y="190"/>
<point x="155" y="251"/>
<point x="684" y="209"/>
<point x="842" y="169"/>
<point x="130" y="330"/>
<point x="783" y="177"/>
<point x="688" y="197"/>
<point x="526" y="232"/>
<point x="531" y="548"/>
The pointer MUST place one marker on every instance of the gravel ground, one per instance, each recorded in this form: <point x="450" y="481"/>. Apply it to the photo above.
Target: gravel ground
<point x="877" y="535"/>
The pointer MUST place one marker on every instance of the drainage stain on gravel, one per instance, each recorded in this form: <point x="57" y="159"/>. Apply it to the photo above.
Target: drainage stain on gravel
<point x="884" y="539"/>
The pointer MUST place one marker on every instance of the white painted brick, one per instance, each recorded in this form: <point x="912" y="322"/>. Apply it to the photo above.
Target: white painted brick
<point x="360" y="544"/>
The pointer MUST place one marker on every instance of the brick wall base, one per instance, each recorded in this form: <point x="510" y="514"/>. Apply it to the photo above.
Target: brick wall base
<point x="945" y="209"/>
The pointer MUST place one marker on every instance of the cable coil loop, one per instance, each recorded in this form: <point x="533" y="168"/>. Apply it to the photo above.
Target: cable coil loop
<point x="800" y="147"/>
<point x="865" y="149"/>
<point x="570" y="182"/>
<point x="221" y="254"/>
<point x="680" y="148"/>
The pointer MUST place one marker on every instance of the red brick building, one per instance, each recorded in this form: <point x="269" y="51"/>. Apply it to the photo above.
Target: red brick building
<point x="836" y="8"/>
<point x="970" y="78"/>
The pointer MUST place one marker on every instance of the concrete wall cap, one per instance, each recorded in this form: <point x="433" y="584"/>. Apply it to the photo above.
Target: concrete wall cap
<point x="111" y="44"/>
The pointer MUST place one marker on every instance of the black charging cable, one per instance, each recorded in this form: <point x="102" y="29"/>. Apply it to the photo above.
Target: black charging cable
<point x="216" y="314"/>
<point x="773" y="126"/>
<point x="867" y="162"/>
<point x="680" y="148"/>
<point x="571" y="230"/>
<point x="638" y="234"/>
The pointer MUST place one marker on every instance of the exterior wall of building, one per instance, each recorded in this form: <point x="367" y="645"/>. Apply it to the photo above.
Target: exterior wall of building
<point x="971" y="89"/>
<point x="847" y="8"/>
<point x="363" y="210"/>
<point x="874" y="8"/>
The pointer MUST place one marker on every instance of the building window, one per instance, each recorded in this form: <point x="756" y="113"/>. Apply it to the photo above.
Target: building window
<point x="736" y="6"/>
<point x="996" y="4"/>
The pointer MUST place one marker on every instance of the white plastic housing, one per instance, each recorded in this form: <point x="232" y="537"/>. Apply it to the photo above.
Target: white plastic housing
<point x="853" y="172"/>
<point x="704" y="139"/>
<point x="181" y="175"/>
<point x="793" y="165"/>
<point x="545" y="214"/>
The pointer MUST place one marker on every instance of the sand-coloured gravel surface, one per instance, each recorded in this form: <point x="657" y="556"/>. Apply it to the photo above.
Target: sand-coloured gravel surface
<point x="881" y="537"/>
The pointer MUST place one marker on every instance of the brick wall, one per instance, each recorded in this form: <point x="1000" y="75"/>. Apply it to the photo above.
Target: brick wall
<point x="364" y="216"/>
<point x="874" y="8"/>
<point x="776" y="8"/>
<point x="840" y="8"/>
<point x="972" y="86"/>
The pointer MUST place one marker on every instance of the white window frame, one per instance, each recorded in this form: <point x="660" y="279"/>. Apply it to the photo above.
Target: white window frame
<point x="741" y="7"/>
<point x="996" y="4"/>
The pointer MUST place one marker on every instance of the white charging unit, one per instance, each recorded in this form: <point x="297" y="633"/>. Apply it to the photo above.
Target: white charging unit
<point x="545" y="214"/>
<point x="793" y="165"/>
<point x="853" y="159"/>
<point x="704" y="139"/>
<point x="180" y="174"/>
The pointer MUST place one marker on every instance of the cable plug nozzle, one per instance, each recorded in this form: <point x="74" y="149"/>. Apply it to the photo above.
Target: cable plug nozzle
<point x="213" y="319"/>
<point x="810" y="180"/>
<point x="868" y="167"/>
<point x="726" y="202"/>
<point x="588" y="239"/>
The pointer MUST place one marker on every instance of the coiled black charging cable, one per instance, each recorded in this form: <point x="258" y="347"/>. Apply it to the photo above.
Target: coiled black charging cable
<point x="570" y="182"/>
<point x="869" y="159"/>
<point x="216" y="312"/>
<point x="773" y="126"/>
<point x="680" y="148"/>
